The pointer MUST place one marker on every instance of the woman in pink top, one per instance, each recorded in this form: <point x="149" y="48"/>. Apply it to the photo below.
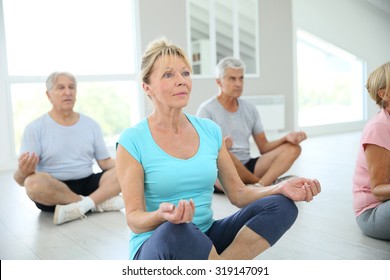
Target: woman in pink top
<point x="371" y="180"/>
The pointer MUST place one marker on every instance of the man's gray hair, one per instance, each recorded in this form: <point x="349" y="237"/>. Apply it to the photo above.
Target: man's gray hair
<point x="50" y="81"/>
<point x="228" y="62"/>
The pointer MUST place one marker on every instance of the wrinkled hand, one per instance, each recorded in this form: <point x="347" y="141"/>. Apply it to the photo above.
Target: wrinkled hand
<point x="296" y="137"/>
<point x="300" y="189"/>
<point x="27" y="163"/>
<point x="228" y="142"/>
<point x="182" y="213"/>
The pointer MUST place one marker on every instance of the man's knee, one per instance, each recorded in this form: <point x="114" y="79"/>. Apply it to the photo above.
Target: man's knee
<point x="109" y="177"/>
<point x="293" y="150"/>
<point x="34" y="183"/>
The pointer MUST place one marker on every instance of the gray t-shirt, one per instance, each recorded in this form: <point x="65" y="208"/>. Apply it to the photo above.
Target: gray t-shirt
<point x="239" y="125"/>
<point x="65" y="152"/>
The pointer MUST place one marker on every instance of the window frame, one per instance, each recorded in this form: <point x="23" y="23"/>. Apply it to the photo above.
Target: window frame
<point x="340" y="127"/>
<point x="7" y="147"/>
<point x="213" y="40"/>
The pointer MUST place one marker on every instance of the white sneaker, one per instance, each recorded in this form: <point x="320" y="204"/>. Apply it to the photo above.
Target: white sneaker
<point x="112" y="204"/>
<point x="67" y="213"/>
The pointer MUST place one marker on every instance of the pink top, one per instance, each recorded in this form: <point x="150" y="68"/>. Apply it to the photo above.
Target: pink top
<point x="376" y="131"/>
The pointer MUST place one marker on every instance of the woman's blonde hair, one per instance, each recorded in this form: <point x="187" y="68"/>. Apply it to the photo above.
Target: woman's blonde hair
<point x="378" y="80"/>
<point x="159" y="48"/>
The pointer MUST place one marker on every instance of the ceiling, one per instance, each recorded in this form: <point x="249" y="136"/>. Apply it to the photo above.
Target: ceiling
<point x="381" y="4"/>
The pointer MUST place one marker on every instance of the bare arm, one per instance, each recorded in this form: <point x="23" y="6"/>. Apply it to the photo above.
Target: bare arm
<point x="27" y="164"/>
<point x="265" y="146"/>
<point x="378" y="162"/>
<point x="106" y="164"/>
<point x="297" y="189"/>
<point x="131" y="179"/>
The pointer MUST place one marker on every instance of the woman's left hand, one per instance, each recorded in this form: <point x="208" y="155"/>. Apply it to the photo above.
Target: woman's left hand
<point x="300" y="189"/>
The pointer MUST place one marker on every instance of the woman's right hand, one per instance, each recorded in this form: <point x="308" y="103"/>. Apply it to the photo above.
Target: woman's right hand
<point x="182" y="213"/>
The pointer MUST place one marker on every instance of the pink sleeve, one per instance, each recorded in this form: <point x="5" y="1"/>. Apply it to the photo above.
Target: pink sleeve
<point x="377" y="134"/>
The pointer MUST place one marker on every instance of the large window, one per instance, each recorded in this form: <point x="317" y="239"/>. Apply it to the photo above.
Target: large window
<point x="330" y="83"/>
<point x="94" y="40"/>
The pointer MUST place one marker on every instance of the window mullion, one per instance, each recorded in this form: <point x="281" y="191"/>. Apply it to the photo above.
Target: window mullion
<point x="236" y="29"/>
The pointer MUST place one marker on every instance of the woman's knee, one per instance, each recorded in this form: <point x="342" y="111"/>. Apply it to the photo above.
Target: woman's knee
<point x="374" y="222"/>
<point x="181" y="241"/>
<point x="279" y="206"/>
<point x="288" y="208"/>
<point x="276" y="215"/>
<point x="175" y="234"/>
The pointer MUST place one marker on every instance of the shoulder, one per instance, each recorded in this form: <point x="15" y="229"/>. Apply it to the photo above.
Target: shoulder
<point x="87" y="119"/>
<point x="209" y="102"/>
<point x="204" y="124"/>
<point x="377" y="130"/>
<point x="137" y="131"/>
<point x="380" y="120"/>
<point x="38" y="122"/>
<point x="248" y="108"/>
<point x="245" y="103"/>
<point x="135" y="139"/>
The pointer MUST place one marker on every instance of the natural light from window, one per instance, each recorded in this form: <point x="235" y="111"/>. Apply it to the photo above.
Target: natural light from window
<point x="85" y="37"/>
<point x="330" y="83"/>
<point x="94" y="40"/>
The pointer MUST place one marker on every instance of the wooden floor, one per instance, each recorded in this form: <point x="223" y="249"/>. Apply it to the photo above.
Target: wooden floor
<point x="324" y="230"/>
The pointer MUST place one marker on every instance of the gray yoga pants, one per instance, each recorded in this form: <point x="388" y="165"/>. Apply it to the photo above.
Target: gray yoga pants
<point x="375" y="222"/>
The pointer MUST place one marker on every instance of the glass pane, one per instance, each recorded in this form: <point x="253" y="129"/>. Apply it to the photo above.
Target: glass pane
<point x="29" y="101"/>
<point x="220" y="28"/>
<point x="108" y="103"/>
<point x="200" y="36"/>
<point x="330" y="83"/>
<point x="83" y="37"/>
<point x="247" y="33"/>
<point x="224" y="28"/>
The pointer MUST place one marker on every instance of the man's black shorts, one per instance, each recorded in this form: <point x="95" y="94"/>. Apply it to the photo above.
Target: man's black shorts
<point x="84" y="186"/>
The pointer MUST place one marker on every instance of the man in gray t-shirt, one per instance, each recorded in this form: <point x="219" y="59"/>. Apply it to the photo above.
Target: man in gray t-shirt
<point x="239" y="120"/>
<point x="57" y="155"/>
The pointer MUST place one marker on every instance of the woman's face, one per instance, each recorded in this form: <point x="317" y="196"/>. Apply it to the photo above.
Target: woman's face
<point x="170" y="83"/>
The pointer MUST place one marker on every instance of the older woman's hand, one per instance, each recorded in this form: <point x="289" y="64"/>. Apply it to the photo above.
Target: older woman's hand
<point x="182" y="213"/>
<point x="300" y="189"/>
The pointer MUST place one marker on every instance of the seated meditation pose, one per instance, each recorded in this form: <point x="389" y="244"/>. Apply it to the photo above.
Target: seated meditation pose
<point x="167" y="165"/>
<point x="58" y="151"/>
